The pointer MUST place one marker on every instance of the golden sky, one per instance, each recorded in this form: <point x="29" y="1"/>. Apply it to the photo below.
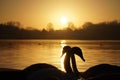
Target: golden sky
<point x="38" y="13"/>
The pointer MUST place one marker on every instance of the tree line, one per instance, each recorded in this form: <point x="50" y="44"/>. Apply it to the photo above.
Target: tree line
<point x="88" y="31"/>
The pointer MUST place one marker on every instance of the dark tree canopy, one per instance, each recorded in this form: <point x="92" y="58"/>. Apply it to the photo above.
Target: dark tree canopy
<point x="102" y="31"/>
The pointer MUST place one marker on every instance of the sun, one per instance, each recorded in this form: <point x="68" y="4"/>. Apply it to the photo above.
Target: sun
<point x="64" y="20"/>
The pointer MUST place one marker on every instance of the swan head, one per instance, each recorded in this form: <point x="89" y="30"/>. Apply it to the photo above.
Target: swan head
<point x="65" y="49"/>
<point x="78" y="52"/>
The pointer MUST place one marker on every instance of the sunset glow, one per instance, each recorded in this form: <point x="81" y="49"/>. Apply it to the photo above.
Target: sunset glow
<point x="38" y="13"/>
<point x="64" y="20"/>
<point x="59" y="39"/>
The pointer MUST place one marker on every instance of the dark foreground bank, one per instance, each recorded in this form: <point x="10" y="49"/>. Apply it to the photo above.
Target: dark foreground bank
<point x="38" y="71"/>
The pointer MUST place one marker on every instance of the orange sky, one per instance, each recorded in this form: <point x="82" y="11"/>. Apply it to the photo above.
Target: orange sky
<point x="38" y="13"/>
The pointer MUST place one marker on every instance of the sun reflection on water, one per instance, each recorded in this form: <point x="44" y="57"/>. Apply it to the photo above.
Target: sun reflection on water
<point x="63" y="42"/>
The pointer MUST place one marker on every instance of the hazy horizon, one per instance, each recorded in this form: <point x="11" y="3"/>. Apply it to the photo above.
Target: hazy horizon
<point x="38" y="13"/>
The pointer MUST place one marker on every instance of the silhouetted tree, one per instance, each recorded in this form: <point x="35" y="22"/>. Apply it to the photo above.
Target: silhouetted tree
<point x="71" y="26"/>
<point x="103" y="30"/>
<point x="49" y="27"/>
<point x="87" y="25"/>
<point x="14" y="24"/>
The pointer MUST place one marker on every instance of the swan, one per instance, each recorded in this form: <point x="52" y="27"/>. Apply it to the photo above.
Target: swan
<point x="97" y="72"/>
<point x="49" y="72"/>
<point x="43" y="71"/>
<point x="102" y="72"/>
<point x="70" y="56"/>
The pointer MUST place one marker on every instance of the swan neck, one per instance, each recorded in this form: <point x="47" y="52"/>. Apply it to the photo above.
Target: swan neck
<point x="67" y="66"/>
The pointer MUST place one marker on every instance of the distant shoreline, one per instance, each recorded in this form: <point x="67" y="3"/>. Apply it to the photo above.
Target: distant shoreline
<point x="100" y="31"/>
<point x="58" y="39"/>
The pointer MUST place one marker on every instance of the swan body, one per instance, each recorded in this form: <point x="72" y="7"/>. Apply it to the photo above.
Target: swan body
<point x="38" y="71"/>
<point x="103" y="72"/>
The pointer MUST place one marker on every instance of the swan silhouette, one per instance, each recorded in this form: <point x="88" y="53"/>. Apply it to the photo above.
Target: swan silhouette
<point x="70" y="56"/>
<point x="47" y="71"/>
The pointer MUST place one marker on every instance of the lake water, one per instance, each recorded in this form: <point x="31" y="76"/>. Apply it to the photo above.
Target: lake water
<point x="19" y="54"/>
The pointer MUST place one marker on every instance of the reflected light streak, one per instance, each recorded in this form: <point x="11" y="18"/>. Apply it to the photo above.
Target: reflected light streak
<point x="63" y="42"/>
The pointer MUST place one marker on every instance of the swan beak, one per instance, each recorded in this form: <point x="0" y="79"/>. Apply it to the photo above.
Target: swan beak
<point x="80" y="54"/>
<point x="82" y="58"/>
<point x="63" y="52"/>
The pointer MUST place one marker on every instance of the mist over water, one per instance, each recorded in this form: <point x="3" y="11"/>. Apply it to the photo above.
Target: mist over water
<point x="19" y="54"/>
